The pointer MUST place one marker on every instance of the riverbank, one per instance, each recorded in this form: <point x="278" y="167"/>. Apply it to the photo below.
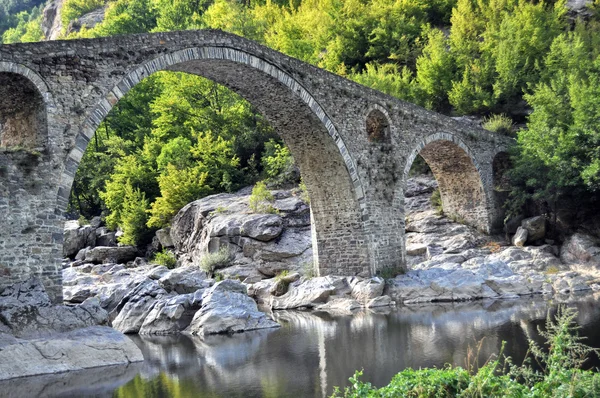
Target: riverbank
<point x="266" y="265"/>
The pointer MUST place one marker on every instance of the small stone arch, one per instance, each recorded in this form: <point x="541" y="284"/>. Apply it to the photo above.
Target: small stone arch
<point x="459" y="177"/>
<point x="378" y="125"/>
<point x="26" y="102"/>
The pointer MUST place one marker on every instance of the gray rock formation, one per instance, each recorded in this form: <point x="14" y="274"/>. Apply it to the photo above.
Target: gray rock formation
<point x="101" y="254"/>
<point x="38" y="338"/>
<point x="226" y="308"/>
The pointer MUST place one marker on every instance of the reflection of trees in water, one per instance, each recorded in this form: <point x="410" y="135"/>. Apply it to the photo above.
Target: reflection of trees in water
<point x="312" y="352"/>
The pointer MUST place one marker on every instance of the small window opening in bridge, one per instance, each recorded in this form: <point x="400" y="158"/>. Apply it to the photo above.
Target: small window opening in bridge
<point x="378" y="127"/>
<point x="22" y="113"/>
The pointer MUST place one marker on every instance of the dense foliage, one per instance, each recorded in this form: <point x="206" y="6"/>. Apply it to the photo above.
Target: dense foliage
<point x="558" y="373"/>
<point x="484" y="57"/>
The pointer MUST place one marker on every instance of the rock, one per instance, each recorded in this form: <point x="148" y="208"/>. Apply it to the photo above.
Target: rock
<point x="136" y="305"/>
<point x="107" y="239"/>
<point x="520" y="237"/>
<point x="184" y="280"/>
<point x="157" y="272"/>
<point x="26" y="311"/>
<point x="226" y="308"/>
<point x="119" y="254"/>
<point x="582" y="250"/>
<point x="172" y="315"/>
<point x="81" y="254"/>
<point x="51" y="21"/>
<point x="366" y="290"/>
<point x="263" y="227"/>
<point x="381" y="301"/>
<point x="340" y="306"/>
<point x="513" y="223"/>
<point x="96" y="222"/>
<point x="88" y="21"/>
<point x="74" y="350"/>
<point x="308" y="294"/>
<point x="536" y="228"/>
<point x="415" y="250"/>
<point x="510" y="285"/>
<point x="164" y="237"/>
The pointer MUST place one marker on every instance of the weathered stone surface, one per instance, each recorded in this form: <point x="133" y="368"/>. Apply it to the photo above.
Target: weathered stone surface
<point x="305" y="295"/>
<point x="184" y="280"/>
<point x="226" y="308"/>
<point x="172" y="315"/>
<point x="164" y="237"/>
<point x="136" y="305"/>
<point x="520" y="237"/>
<point x="536" y="228"/>
<point x="74" y="350"/>
<point x="581" y="249"/>
<point x="119" y="254"/>
<point x="342" y="135"/>
<point x="366" y="290"/>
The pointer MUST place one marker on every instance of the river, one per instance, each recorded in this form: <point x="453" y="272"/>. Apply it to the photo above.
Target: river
<point x="313" y="352"/>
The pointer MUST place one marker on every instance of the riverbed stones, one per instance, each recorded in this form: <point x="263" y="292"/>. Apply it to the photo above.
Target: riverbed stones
<point x="73" y="350"/>
<point x="173" y="314"/>
<point x="136" y="305"/>
<point x="226" y="308"/>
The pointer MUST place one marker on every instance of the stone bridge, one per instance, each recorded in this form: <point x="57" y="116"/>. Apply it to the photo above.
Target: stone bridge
<point x="355" y="146"/>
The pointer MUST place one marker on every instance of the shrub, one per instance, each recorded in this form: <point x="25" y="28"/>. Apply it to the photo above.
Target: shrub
<point x="500" y="124"/>
<point x="166" y="258"/>
<point x="214" y="261"/>
<point x="278" y="164"/>
<point x="261" y="199"/>
<point x="390" y="272"/>
<point x="560" y="373"/>
<point x="304" y="192"/>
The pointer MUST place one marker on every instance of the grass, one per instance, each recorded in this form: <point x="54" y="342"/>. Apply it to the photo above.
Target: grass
<point x="500" y="124"/>
<point x="214" y="261"/>
<point x="308" y="270"/>
<point x="390" y="272"/>
<point x="558" y="372"/>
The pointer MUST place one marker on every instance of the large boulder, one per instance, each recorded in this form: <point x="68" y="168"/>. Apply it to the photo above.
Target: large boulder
<point x="164" y="237"/>
<point x="536" y="228"/>
<point x="184" y="280"/>
<point x="226" y="308"/>
<point x="172" y="314"/>
<point x="582" y="252"/>
<point x="76" y="238"/>
<point x="308" y="294"/>
<point x="136" y="305"/>
<point x="364" y="291"/>
<point x="520" y="237"/>
<point x="120" y="254"/>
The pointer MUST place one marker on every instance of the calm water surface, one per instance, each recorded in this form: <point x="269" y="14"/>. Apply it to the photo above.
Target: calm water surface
<point x="313" y="352"/>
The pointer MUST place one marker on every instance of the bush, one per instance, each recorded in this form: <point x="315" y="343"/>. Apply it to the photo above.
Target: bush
<point x="500" y="124"/>
<point x="278" y="164"/>
<point x="560" y="374"/>
<point x="261" y="199"/>
<point x="211" y="262"/>
<point x="436" y="201"/>
<point x="166" y="258"/>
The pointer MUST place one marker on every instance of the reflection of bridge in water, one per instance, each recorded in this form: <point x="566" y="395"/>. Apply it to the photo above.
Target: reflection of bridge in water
<point x="354" y="145"/>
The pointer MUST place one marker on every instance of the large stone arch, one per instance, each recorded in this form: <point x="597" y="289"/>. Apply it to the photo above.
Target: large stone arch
<point x="26" y="102"/>
<point x="330" y="173"/>
<point x="459" y="176"/>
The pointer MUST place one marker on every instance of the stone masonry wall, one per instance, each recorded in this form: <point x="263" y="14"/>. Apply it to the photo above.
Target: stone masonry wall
<point x="356" y="183"/>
